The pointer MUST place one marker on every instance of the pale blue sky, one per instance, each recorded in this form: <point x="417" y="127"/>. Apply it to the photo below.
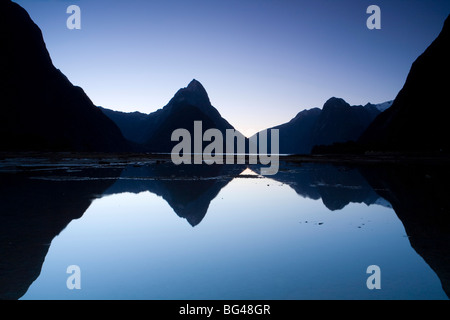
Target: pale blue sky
<point x="261" y="61"/>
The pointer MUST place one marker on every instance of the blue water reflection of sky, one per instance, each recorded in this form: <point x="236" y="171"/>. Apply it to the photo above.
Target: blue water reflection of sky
<point x="269" y="243"/>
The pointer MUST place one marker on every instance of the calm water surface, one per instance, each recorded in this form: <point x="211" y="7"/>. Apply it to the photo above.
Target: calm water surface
<point x="309" y="232"/>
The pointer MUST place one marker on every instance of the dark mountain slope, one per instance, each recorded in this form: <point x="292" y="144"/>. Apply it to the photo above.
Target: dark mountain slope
<point x="153" y="131"/>
<point x="336" y="122"/>
<point x="341" y="122"/>
<point x="417" y="121"/>
<point x="40" y="109"/>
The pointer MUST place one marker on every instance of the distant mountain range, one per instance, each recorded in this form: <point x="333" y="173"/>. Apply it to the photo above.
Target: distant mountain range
<point x="43" y="111"/>
<point x="336" y="122"/>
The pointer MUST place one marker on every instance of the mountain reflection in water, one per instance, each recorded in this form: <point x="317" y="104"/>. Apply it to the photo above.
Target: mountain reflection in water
<point x="38" y="201"/>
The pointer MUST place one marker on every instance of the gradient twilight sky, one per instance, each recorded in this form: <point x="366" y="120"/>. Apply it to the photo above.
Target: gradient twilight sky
<point x="261" y="61"/>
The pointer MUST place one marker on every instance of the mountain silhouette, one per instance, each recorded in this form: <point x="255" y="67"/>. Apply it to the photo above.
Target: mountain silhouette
<point x="336" y="122"/>
<point x="417" y="120"/>
<point x="153" y="131"/>
<point x="340" y="122"/>
<point x="133" y="125"/>
<point x="295" y="136"/>
<point x="41" y="109"/>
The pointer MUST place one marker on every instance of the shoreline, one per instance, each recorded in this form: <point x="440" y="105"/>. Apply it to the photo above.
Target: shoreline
<point x="375" y="158"/>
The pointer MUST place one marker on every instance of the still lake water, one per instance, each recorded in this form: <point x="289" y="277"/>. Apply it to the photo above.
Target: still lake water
<point x="150" y="231"/>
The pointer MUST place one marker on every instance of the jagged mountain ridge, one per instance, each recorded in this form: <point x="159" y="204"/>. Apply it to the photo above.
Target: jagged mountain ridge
<point x="153" y="131"/>
<point x="337" y="121"/>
